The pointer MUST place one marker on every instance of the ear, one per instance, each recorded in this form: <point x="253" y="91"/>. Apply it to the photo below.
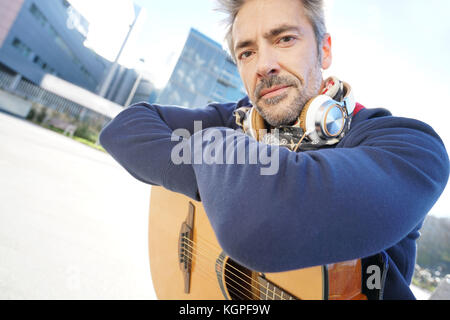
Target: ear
<point x="327" y="56"/>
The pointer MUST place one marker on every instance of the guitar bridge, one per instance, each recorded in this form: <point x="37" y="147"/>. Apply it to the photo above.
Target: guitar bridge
<point x="185" y="247"/>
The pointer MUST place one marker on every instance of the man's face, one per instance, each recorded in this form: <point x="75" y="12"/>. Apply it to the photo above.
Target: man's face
<point x="277" y="58"/>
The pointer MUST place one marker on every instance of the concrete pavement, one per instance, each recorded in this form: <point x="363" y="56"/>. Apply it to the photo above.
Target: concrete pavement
<point x="73" y="223"/>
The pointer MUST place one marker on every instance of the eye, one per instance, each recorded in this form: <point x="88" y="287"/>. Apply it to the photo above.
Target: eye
<point x="244" y="55"/>
<point x="286" y="40"/>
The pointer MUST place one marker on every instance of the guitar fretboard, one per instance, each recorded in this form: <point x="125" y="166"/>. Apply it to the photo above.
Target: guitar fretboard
<point x="269" y="291"/>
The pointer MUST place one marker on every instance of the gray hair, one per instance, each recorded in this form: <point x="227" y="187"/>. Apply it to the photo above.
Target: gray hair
<point x="313" y="9"/>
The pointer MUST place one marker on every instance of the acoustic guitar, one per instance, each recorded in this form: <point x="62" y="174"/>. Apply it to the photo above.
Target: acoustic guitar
<point x="187" y="262"/>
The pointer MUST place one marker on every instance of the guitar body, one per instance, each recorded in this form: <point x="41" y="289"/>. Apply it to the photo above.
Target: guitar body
<point x="187" y="262"/>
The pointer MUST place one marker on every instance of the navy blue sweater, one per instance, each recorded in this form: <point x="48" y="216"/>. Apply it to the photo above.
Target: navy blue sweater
<point x="368" y="195"/>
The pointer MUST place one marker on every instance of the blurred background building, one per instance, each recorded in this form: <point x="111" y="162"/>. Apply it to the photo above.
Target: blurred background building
<point x="40" y="37"/>
<point x="44" y="64"/>
<point x="203" y="74"/>
<point x="129" y="86"/>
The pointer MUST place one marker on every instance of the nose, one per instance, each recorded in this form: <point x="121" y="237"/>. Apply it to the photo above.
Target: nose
<point x="267" y="63"/>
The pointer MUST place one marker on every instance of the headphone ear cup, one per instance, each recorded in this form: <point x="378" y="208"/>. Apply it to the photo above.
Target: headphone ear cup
<point x="304" y="113"/>
<point x="257" y="123"/>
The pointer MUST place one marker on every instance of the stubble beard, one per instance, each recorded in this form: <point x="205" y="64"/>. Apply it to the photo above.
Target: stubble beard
<point x="279" y="111"/>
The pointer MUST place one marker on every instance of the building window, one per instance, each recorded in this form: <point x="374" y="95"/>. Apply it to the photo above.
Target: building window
<point x="42" y="64"/>
<point x="21" y="47"/>
<point x="37" y="60"/>
<point x="38" y="15"/>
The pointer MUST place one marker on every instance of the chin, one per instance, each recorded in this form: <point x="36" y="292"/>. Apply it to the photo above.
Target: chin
<point x="288" y="117"/>
<point x="283" y="115"/>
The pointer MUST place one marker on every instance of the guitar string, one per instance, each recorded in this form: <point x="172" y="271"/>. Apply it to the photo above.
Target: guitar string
<point x="215" y="280"/>
<point x="267" y="290"/>
<point x="198" y="243"/>
<point x="262" y="292"/>
<point x="231" y="266"/>
<point x="207" y="275"/>
<point x="247" y="276"/>
<point x="219" y="250"/>
<point x="213" y="246"/>
<point x="250" y="278"/>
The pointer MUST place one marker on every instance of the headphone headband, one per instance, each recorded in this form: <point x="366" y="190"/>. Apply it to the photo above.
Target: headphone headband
<point x="349" y="99"/>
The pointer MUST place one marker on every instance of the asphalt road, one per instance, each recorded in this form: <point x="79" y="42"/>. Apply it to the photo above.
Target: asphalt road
<point x="73" y="223"/>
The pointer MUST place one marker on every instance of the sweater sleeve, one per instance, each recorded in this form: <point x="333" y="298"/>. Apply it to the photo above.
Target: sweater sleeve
<point x="141" y="139"/>
<point x="321" y="206"/>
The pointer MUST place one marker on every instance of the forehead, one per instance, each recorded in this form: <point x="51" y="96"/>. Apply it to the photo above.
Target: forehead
<point x="259" y="17"/>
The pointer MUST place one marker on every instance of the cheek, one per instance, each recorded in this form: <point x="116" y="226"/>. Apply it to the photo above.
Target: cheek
<point x="300" y="66"/>
<point x="249" y="80"/>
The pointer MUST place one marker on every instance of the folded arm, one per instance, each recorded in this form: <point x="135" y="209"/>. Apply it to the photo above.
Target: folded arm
<point x="140" y="139"/>
<point x="323" y="206"/>
<point x="320" y="207"/>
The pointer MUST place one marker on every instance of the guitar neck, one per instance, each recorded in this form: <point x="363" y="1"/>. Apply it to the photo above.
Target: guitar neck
<point x="269" y="291"/>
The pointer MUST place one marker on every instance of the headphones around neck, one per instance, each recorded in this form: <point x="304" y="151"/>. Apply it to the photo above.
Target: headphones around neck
<point x="324" y="119"/>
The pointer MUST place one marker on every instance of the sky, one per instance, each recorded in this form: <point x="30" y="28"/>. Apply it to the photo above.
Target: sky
<point x="394" y="54"/>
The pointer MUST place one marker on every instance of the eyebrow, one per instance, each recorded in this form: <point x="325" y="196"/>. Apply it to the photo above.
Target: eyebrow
<point x="268" y="35"/>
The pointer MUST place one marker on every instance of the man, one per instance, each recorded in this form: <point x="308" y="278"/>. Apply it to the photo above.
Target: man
<point x="363" y="196"/>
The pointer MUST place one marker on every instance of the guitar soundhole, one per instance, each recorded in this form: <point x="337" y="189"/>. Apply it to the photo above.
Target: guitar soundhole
<point x="238" y="281"/>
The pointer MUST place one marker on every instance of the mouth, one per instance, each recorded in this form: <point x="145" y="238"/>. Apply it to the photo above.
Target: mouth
<point x="273" y="91"/>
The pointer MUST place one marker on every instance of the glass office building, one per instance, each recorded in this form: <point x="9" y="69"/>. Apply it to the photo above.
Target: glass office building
<point x="39" y="37"/>
<point x="203" y="74"/>
<point x="130" y="86"/>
